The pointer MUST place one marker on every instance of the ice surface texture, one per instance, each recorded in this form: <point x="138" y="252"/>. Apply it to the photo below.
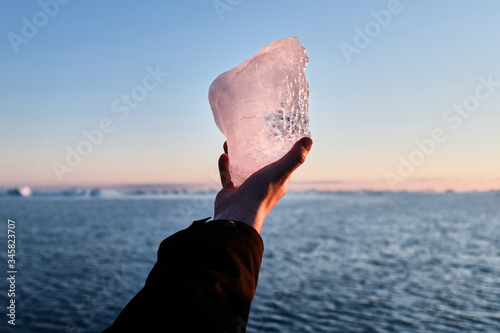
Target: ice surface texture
<point x="262" y="106"/>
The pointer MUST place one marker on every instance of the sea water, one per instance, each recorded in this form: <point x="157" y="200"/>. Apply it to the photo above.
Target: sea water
<point x="334" y="262"/>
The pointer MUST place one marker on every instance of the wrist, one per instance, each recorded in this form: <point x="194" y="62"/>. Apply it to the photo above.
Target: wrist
<point x="251" y="219"/>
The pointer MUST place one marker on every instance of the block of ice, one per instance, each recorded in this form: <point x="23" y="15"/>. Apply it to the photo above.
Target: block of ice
<point x="262" y="106"/>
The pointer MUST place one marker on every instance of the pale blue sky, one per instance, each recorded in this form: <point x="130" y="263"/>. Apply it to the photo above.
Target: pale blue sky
<point x="364" y="114"/>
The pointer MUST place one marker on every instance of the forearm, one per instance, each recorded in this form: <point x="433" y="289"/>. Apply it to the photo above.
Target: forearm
<point x="204" y="280"/>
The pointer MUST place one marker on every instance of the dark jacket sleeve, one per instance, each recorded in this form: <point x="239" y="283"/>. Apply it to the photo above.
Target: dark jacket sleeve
<point x="204" y="281"/>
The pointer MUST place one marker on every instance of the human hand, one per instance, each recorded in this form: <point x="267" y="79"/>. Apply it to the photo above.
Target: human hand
<point x="254" y="199"/>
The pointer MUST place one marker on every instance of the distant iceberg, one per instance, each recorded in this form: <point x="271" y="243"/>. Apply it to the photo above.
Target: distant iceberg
<point x="23" y="191"/>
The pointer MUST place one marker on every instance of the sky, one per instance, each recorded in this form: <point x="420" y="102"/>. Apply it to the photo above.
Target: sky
<point x="404" y="95"/>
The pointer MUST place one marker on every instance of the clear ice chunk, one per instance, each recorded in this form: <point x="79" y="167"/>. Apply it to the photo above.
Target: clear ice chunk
<point x="262" y="106"/>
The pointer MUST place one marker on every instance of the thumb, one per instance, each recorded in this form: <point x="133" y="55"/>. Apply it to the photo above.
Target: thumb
<point x="295" y="156"/>
<point x="225" y="176"/>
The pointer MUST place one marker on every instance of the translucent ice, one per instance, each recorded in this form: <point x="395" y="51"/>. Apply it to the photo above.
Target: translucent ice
<point x="262" y="106"/>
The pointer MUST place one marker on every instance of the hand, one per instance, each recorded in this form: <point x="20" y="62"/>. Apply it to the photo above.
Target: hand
<point x="254" y="199"/>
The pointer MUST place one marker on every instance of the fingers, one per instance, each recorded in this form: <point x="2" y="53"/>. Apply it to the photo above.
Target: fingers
<point x="225" y="176"/>
<point x="294" y="158"/>
<point x="225" y="147"/>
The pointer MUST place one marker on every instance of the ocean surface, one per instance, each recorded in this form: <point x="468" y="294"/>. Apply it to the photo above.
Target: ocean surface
<point x="352" y="262"/>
